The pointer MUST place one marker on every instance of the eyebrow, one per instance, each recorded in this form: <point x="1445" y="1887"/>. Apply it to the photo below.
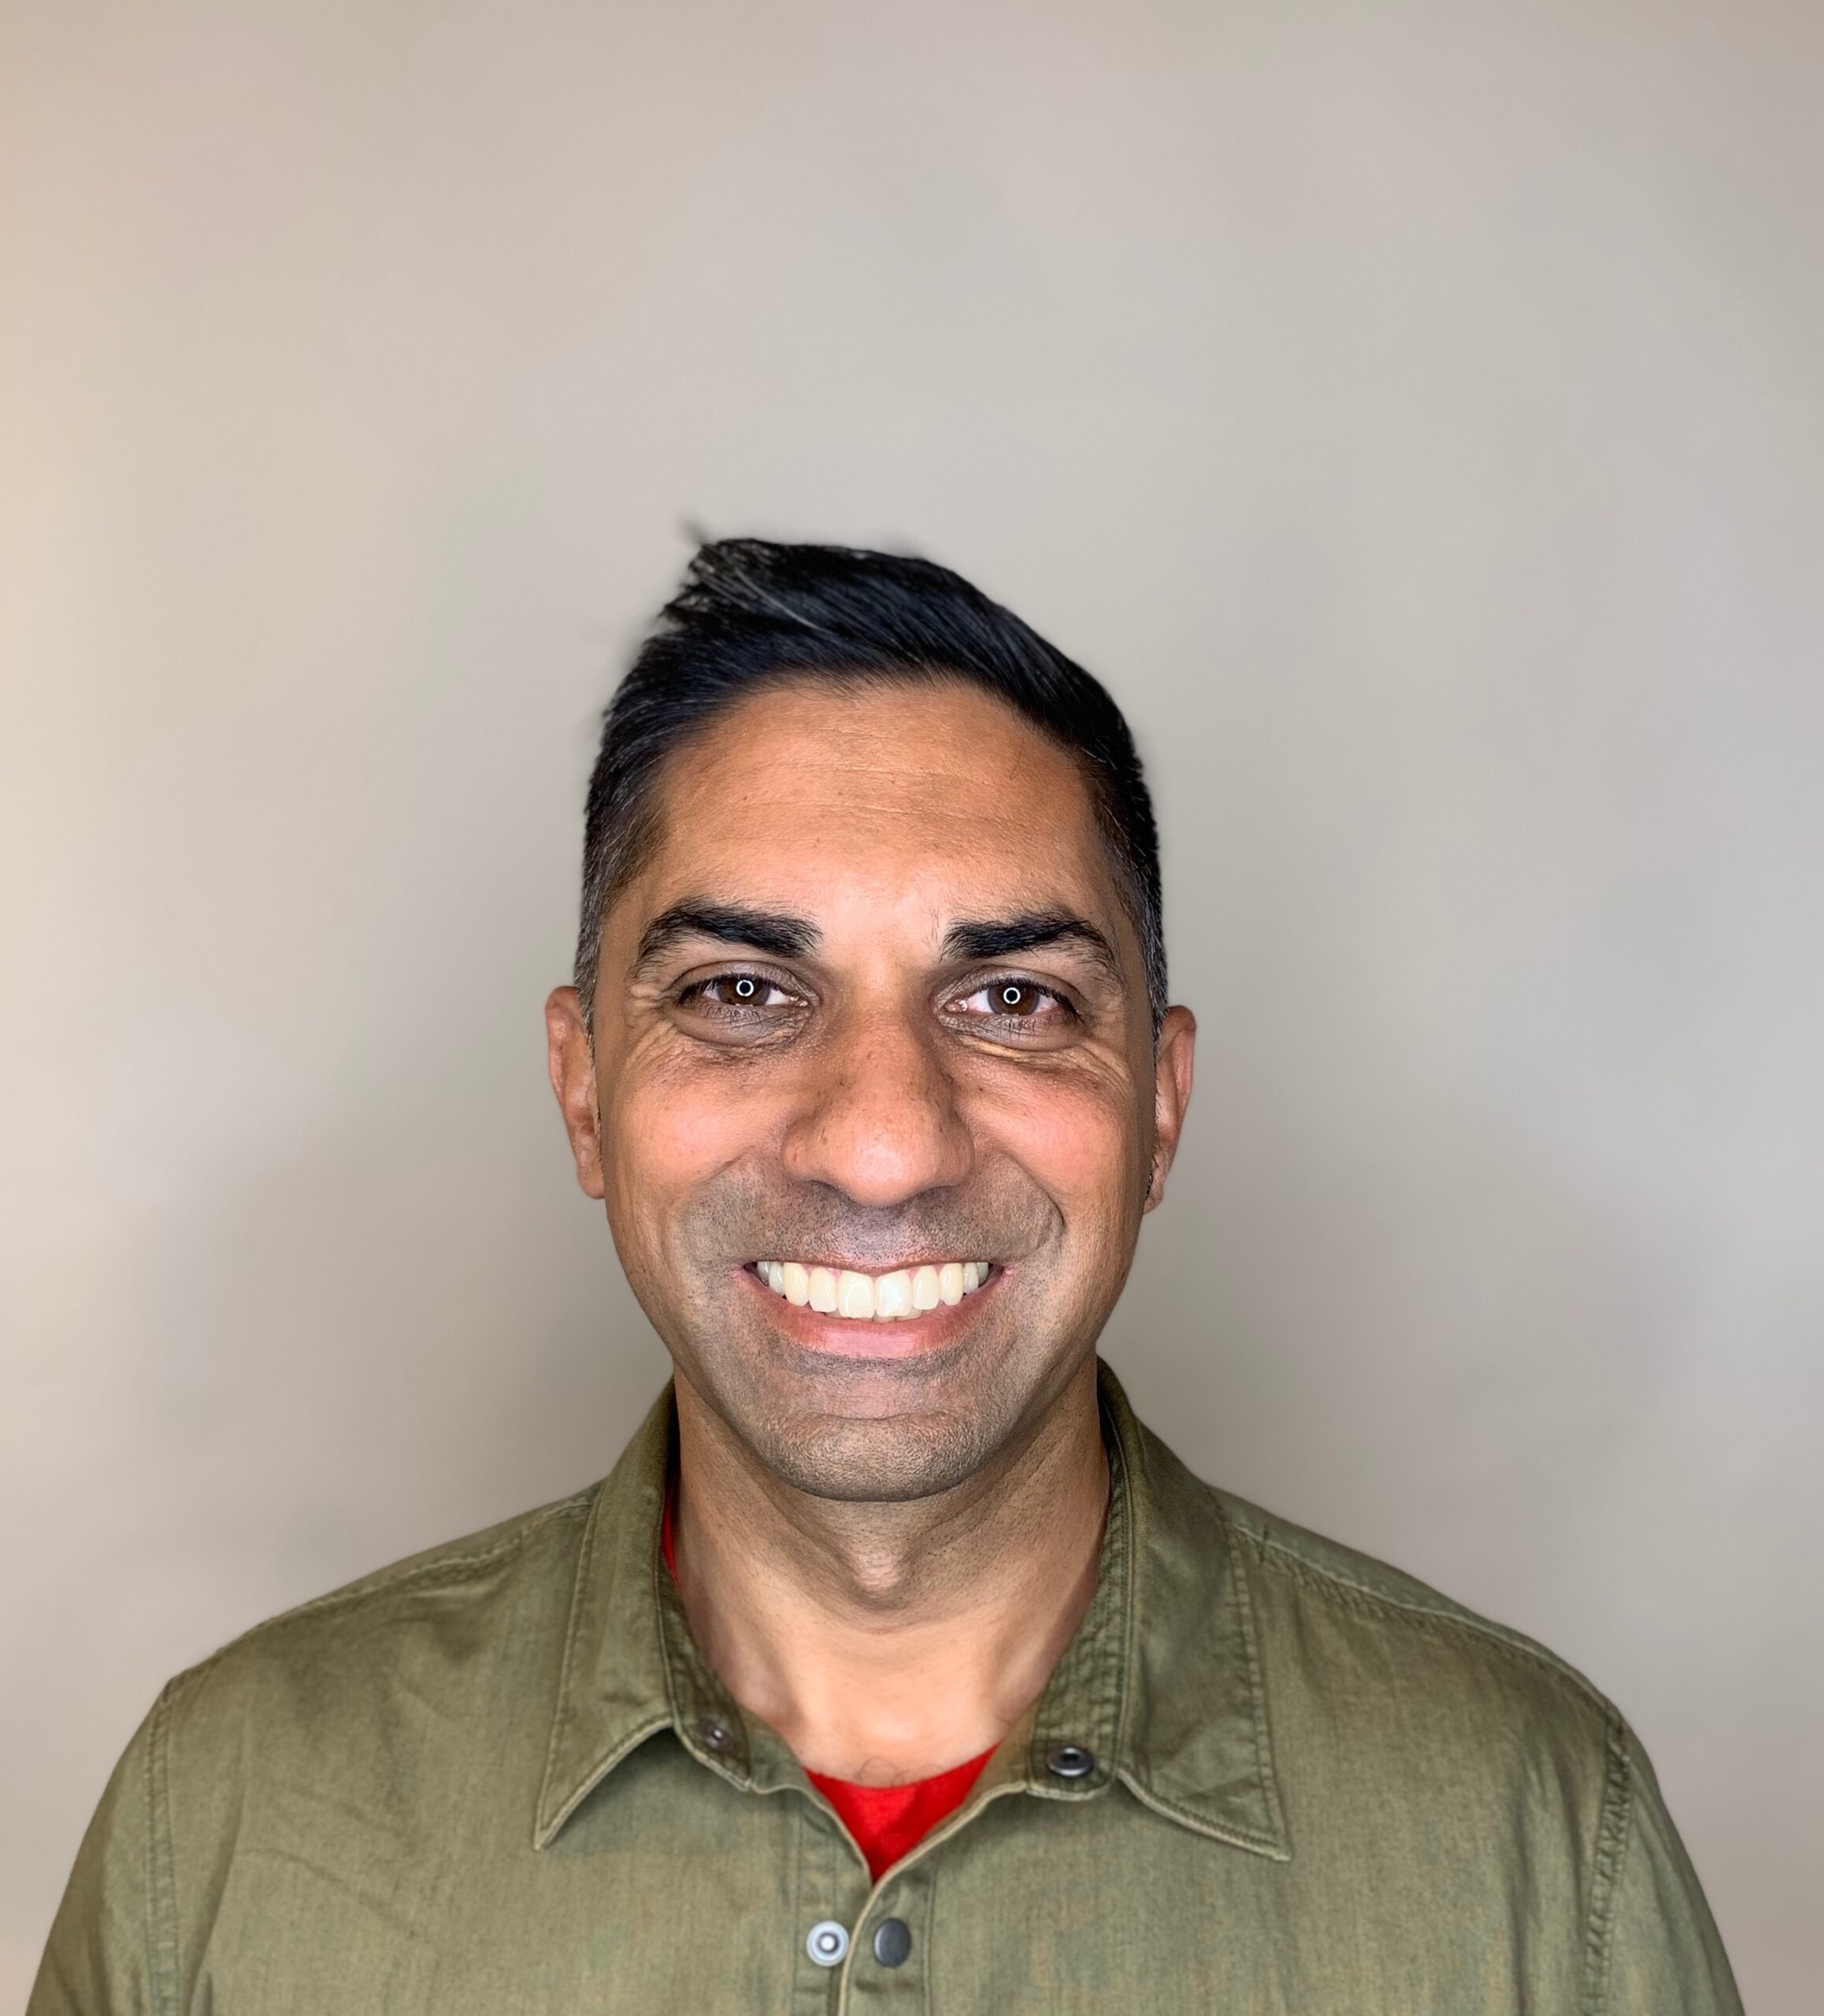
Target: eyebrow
<point x="728" y="924"/>
<point x="1000" y="938"/>
<point x="787" y="937"/>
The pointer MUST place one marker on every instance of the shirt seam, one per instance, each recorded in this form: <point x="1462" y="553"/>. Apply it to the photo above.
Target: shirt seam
<point x="1095" y="1676"/>
<point x="387" y="1582"/>
<point x="1613" y="1829"/>
<point x="560" y="1721"/>
<point x="164" y="1955"/>
<point x="164" y="1937"/>
<point x="1275" y="1850"/>
<point x="1256" y="1683"/>
<point x="928" y="1933"/>
<point x="548" y="1824"/>
<point x="446" y="1568"/>
<point x="1129" y="1683"/>
<point x="1273" y="1845"/>
<point x="1422" y="1616"/>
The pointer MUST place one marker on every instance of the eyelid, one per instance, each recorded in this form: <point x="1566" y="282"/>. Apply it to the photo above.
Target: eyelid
<point x="739" y="969"/>
<point x="980" y="983"/>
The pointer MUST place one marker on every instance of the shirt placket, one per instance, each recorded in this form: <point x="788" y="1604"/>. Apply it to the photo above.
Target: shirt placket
<point x="867" y="1945"/>
<point x="1067" y="1747"/>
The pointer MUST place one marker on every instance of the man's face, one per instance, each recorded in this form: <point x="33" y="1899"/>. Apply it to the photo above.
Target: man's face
<point x="871" y="1025"/>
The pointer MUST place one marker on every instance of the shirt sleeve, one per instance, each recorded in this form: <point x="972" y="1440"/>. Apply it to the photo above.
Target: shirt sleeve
<point x="103" y="1958"/>
<point x="1660" y="1954"/>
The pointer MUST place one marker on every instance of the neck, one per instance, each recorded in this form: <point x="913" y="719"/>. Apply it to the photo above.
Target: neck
<point x="887" y="1642"/>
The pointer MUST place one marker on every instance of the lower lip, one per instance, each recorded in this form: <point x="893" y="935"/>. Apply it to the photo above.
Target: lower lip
<point x="845" y="1336"/>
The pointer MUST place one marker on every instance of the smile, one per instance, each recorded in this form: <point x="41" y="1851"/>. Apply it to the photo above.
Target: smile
<point x="892" y="1298"/>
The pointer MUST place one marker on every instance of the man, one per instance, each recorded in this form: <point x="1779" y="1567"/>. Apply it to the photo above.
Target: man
<point x="895" y="1665"/>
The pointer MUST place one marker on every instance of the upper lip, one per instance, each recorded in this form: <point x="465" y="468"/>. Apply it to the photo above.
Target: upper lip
<point x="907" y="1267"/>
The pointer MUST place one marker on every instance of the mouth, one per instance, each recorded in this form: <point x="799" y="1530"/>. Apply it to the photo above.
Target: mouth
<point x="902" y="1295"/>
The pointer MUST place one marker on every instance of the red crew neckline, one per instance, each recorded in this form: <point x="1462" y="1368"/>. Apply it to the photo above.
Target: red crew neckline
<point x="887" y="1821"/>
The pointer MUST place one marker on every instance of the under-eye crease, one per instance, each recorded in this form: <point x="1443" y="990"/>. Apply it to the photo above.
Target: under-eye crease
<point x="738" y="993"/>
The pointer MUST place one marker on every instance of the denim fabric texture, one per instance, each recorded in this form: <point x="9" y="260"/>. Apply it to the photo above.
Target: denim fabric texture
<point x="499" y="1777"/>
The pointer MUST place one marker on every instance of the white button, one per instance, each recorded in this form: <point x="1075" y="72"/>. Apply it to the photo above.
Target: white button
<point x="828" y="1943"/>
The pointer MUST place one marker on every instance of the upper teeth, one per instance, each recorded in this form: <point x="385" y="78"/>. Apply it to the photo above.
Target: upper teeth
<point x="872" y="1298"/>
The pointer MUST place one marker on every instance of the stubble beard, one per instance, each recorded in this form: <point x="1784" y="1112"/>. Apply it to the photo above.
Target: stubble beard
<point x="869" y="1430"/>
<point x="872" y="1432"/>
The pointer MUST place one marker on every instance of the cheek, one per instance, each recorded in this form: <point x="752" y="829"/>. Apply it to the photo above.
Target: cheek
<point x="666" y="1132"/>
<point x="1079" y="1142"/>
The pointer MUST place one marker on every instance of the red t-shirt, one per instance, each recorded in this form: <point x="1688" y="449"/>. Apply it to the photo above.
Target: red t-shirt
<point x="887" y="1821"/>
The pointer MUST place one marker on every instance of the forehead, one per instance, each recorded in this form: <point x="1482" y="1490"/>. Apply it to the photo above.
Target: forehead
<point x="936" y="797"/>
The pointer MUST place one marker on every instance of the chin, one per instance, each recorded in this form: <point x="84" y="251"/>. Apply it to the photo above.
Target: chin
<point x="864" y="1431"/>
<point x="889" y="1461"/>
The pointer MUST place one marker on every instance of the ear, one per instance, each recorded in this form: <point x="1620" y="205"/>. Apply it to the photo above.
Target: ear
<point x="1172" y="1056"/>
<point x="571" y="1059"/>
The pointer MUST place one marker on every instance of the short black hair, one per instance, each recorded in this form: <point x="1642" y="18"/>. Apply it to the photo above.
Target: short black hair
<point x="752" y="612"/>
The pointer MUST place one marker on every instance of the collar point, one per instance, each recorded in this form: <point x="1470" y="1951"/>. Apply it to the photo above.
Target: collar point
<point x="1222" y="1818"/>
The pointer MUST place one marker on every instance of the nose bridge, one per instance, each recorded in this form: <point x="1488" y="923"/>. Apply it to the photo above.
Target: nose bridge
<point x="880" y="1120"/>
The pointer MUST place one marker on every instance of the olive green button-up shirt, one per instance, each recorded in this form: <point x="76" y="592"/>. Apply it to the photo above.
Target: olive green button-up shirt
<point x="1268" y="1775"/>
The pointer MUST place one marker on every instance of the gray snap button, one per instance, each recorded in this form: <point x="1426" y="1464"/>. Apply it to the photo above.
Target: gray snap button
<point x="893" y="1942"/>
<point x="827" y="1943"/>
<point x="1070" y="1760"/>
<point x="716" y="1735"/>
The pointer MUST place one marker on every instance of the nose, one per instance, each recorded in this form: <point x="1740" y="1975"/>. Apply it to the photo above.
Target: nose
<point x="880" y="1121"/>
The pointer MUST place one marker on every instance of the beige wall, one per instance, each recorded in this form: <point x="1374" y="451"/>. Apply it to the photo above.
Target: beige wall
<point x="1412" y="412"/>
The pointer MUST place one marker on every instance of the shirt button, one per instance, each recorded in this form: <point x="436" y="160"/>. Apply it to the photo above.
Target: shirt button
<point x="715" y="1734"/>
<point x="828" y="1943"/>
<point x="893" y="1942"/>
<point x="1070" y="1760"/>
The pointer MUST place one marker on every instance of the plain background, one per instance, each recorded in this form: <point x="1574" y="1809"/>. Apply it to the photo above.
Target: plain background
<point x="1412" y="410"/>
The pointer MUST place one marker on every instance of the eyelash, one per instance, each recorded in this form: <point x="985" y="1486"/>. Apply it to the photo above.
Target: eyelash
<point x="1013" y="980"/>
<point x="698" y="992"/>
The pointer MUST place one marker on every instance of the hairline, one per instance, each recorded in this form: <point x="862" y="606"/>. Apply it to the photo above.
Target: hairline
<point x="636" y="832"/>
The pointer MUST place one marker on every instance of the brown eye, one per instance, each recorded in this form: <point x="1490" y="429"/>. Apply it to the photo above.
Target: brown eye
<point x="739" y="991"/>
<point x="1017" y="1001"/>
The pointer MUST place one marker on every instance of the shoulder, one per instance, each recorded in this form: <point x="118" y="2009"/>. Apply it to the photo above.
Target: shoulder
<point x="1376" y="1724"/>
<point x="1298" y="1568"/>
<point x="436" y="1626"/>
<point x="1370" y="1610"/>
<point x="1371" y="1679"/>
<point x="1379" y="1683"/>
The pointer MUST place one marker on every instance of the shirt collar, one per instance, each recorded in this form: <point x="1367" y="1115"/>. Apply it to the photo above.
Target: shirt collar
<point x="1162" y="1683"/>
